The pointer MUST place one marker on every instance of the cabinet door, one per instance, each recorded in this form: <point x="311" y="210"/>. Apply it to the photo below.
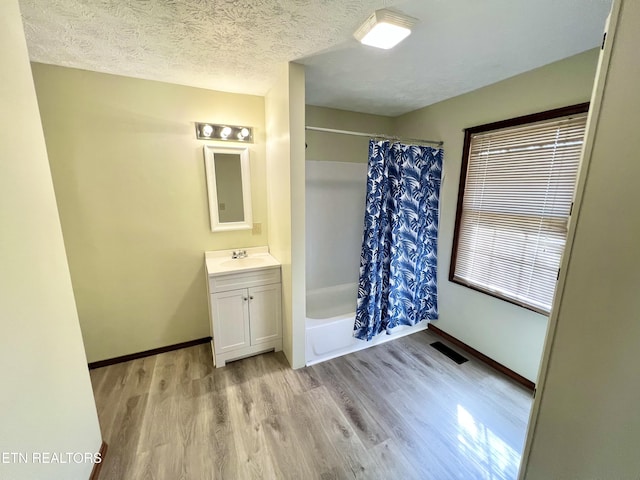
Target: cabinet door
<point x="230" y="320"/>
<point x="265" y="307"/>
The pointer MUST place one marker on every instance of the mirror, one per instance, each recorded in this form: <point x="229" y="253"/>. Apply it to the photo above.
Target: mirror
<point x="229" y="187"/>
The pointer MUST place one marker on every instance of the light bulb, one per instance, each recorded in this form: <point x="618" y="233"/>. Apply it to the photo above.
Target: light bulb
<point x="226" y="131"/>
<point x="207" y="130"/>
<point x="244" y="132"/>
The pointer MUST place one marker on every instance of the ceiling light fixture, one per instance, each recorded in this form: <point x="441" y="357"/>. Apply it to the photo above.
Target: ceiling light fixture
<point x="385" y="29"/>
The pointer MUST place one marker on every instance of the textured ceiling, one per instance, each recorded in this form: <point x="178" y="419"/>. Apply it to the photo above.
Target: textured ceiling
<point x="228" y="45"/>
<point x="458" y="46"/>
<point x="236" y="45"/>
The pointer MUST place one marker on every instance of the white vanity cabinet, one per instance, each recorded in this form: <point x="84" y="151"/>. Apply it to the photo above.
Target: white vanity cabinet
<point x="246" y="313"/>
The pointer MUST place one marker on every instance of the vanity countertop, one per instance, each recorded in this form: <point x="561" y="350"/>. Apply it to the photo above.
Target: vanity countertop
<point x="219" y="262"/>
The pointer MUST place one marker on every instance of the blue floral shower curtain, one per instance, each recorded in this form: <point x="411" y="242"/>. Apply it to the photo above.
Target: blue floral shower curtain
<point x="399" y="247"/>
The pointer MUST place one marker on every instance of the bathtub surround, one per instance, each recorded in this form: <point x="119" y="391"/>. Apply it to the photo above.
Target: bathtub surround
<point x="129" y="176"/>
<point x="335" y="198"/>
<point x="398" y="263"/>
<point x="46" y="402"/>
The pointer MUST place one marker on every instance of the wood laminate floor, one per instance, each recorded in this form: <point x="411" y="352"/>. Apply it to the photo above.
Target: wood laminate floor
<point x="400" y="410"/>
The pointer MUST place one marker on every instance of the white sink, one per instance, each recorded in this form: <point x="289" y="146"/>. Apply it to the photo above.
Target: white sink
<point x="219" y="262"/>
<point x="245" y="262"/>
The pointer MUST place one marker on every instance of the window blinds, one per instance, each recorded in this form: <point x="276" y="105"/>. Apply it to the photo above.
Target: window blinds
<point x="517" y="200"/>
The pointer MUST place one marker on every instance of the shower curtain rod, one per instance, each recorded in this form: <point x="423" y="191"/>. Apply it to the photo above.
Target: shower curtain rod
<point x="373" y="135"/>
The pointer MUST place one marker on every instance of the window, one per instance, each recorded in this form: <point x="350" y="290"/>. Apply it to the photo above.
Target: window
<point x="516" y="192"/>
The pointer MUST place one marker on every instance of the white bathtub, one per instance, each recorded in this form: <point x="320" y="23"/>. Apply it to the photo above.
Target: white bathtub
<point x="330" y="320"/>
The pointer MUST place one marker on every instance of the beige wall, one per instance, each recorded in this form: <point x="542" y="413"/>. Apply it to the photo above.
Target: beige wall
<point x="588" y="424"/>
<point x="279" y="193"/>
<point x="284" y="113"/>
<point x="342" y="148"/>
<point x="46" y="402"/>
<point x="509" y="334"/>
<point x="297" y="121"/>
<point x="130" y="184"/>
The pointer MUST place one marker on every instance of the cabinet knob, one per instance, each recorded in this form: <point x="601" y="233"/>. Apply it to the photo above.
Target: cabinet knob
<point x="251" y="297"/>
<point x="244" y="298"/>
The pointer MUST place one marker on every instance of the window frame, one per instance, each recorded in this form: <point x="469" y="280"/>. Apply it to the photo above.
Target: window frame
<point x="468" y="132"/>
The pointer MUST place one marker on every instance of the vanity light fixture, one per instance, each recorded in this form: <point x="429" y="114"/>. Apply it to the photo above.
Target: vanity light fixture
<point x="229" y="133"/>
<point x="385" y="29"/>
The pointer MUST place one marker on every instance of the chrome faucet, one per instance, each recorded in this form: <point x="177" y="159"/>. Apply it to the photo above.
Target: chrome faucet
<point x="239" y="254"/>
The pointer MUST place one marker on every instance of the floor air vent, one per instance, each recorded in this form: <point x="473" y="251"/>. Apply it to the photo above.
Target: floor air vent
<point x="452" y="354"/>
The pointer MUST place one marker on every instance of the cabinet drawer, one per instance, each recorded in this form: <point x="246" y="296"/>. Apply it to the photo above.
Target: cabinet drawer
<point x="233" y="281"/>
